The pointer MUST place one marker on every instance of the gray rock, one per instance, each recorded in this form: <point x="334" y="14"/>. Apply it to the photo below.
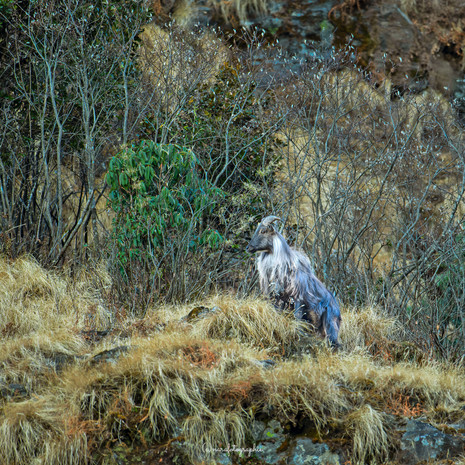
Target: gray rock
<point x="273" y="428"/>
<point x="59" y="361"/>
<point x="216" y="458"/>
<point x="276" y="447"/>
<point x="109" y="356"/>
<point x="268" y="452"/>
<point x="198" y="313"/>
<point x="223" y="459"/>
<point x="92" y="336"/>
<point x="307" y="452"/>
<point x="13" y="390"/>
<point x="271" y="441"/>
<point x="422" y="441"/>
<point x="268" y="363"/>
<point x="271" y="446"/>
<point x="269" y="431"/>
<point x="257" y="428"/>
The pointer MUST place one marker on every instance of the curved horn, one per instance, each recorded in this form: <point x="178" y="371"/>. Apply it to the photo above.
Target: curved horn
<point x="270" y="220"/>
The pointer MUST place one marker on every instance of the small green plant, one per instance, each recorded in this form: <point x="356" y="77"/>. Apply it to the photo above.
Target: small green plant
<point x="164" y="208"/>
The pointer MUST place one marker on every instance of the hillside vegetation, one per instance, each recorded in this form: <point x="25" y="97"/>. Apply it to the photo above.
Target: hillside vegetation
<point x="75" y="386"/>
<point x="136" y="160"/>
<point x="368" y="182"/>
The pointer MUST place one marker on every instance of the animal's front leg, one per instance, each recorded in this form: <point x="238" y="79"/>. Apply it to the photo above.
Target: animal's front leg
<point x="299" y="308"/>
<point x="277" y="302"/>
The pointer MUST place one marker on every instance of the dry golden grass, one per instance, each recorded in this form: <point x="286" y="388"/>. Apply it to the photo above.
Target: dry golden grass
<point x="197" y="378"/>
<point x="239" y="12"/>
<point x="37" y="429"/>
<point x="175" y="62"/>
<point x="362" y="328"/>
<point x="36" y="301"/>
<point x="307" y="387"/>
<point x="370" y="439"/>
<point x="251" y="321"/>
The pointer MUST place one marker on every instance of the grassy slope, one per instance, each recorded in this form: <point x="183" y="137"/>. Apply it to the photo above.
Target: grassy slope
<point x="197" y="377"/>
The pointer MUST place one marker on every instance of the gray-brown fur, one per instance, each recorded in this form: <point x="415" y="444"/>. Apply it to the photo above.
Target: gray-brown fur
<point x="287" y="276"/>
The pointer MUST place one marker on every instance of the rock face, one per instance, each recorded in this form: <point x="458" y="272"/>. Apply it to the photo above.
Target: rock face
<point x="306" y="452"/>
<point x="270" y="440"/>
<point x="273" y="446"/>
<point x="416" y="45"/>
<point x="12" y="390"/>
<point x="422" y="441"/>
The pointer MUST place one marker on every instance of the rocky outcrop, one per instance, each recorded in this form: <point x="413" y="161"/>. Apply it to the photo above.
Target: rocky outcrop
<point x="417" y="45"/>
<point x="273" y="445"/>
<point x="419" y="442"/>
<point x="305" y="451"/>
<point x="422" y="441"/>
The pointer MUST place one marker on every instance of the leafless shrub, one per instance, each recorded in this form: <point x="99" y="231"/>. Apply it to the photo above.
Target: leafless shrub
<point x="68" y="69"/>
<point x="375" y="187"/>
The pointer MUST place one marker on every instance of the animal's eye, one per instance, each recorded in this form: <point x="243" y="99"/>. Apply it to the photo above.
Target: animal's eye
<point x="263" y="230"/>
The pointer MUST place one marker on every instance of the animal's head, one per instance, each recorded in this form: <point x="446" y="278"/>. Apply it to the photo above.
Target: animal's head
<point x="262" y="240"/>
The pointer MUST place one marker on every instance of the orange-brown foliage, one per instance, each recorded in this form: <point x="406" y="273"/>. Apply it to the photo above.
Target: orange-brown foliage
<point x="402" y="405"/>
<point x="201" y="355"/>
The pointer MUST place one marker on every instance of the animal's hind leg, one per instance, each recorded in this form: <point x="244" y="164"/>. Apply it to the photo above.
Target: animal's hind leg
<point x="332" y="330"/>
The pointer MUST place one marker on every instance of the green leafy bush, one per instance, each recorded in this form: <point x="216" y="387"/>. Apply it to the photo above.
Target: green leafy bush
<point x="164" y="209"/>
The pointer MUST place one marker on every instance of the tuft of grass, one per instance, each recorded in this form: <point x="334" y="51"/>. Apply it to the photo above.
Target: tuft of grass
<point x="250" y="321"/>
<point x="35" y="301"/>
<point x="37" y="429"/>
<point x="41" y="316"/>
<point x="167" y="386"/>
<point x="369" y="330"/>
<point x="370" y="439"/>
<point x="34" y="360"/>
<point x="221" y="429"/>
<point x="307" y="388"/>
